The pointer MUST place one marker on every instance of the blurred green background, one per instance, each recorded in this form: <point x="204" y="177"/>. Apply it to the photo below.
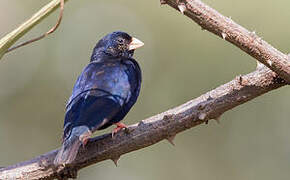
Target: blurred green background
<point x="179" y="62"/>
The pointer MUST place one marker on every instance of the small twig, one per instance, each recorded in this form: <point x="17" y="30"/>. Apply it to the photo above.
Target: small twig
<point x="43" y="35"/>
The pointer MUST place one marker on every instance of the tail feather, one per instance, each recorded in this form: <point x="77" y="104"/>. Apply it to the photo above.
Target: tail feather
<point x="70" y="146"/>
<point x="68" y="151"/>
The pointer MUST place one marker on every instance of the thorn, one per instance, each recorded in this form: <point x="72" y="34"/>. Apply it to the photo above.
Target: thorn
<point x="168" y="116"/>
<point x="141" y="123"/>
<point x="259" y="65"/>
<point x="209" y="98"/>
<point x="170" y="139"/>
<point x="181" y="8"/>
<point x="202" y="116"/>
<point x="253" y="33"/>
<point x="201" y="106"/>
<point x="259" y="39"/>
<point x="239" y="78"/>
<point x="224" y="35"/>
<point x="270" y="62"/>
<point x="217" y="119"/>
<point x="115" y="160"/>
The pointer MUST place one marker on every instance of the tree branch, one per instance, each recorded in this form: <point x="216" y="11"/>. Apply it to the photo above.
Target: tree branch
<point x="154" y="129"/>
<point x="227" y="29"/>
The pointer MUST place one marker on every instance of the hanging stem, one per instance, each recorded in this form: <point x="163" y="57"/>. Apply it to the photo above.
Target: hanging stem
<point x="43" y="35"/>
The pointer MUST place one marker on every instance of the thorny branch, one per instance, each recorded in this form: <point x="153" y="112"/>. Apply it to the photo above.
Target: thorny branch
<point x="211" y="20"/>
<point x="167" y="124"/>
<point x="152" y="130"/>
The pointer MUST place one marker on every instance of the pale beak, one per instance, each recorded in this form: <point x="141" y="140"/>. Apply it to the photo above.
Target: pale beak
<point x="135" y="43"/>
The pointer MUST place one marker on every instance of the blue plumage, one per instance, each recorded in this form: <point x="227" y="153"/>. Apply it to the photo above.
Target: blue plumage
<point x="103" y="94"/>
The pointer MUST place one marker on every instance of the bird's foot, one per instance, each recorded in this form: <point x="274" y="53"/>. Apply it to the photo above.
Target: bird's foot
<point x="118" y="128"/>
<point x="84" y="138"/>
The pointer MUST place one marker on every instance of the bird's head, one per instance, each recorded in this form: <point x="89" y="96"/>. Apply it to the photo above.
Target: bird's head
<point x="116" y="44"/>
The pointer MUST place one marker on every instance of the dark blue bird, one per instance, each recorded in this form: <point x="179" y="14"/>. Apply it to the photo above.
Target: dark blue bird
<point x="103" y="94"/>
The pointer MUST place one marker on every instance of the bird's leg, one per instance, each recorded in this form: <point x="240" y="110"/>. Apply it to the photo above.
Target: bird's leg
<point x="118" y="128"/>
<point x="84" y="138"/>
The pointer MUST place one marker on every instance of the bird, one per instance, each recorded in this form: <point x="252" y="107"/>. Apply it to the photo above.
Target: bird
<point x="103" y="94"/>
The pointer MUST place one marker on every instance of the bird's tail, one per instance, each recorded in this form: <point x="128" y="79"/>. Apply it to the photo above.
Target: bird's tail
<point x="70" y="146"/>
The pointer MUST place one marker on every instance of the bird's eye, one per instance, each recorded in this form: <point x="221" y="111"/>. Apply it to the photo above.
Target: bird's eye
<point x="121" y="41"/>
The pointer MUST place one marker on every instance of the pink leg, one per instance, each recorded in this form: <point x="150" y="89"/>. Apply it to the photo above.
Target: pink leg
<point x="84" y="138"/>
<point x="118" y="128"/>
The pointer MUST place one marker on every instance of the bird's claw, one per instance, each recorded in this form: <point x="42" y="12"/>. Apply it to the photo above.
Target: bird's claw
<point x="84" y="138"/>
<point x="119" y="127"/>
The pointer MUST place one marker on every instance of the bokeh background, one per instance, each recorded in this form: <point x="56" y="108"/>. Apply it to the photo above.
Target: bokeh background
<point x="179" y="62"/>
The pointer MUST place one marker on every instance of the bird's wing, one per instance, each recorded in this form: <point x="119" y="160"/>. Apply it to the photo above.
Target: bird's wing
<point x="98" y="95"/>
